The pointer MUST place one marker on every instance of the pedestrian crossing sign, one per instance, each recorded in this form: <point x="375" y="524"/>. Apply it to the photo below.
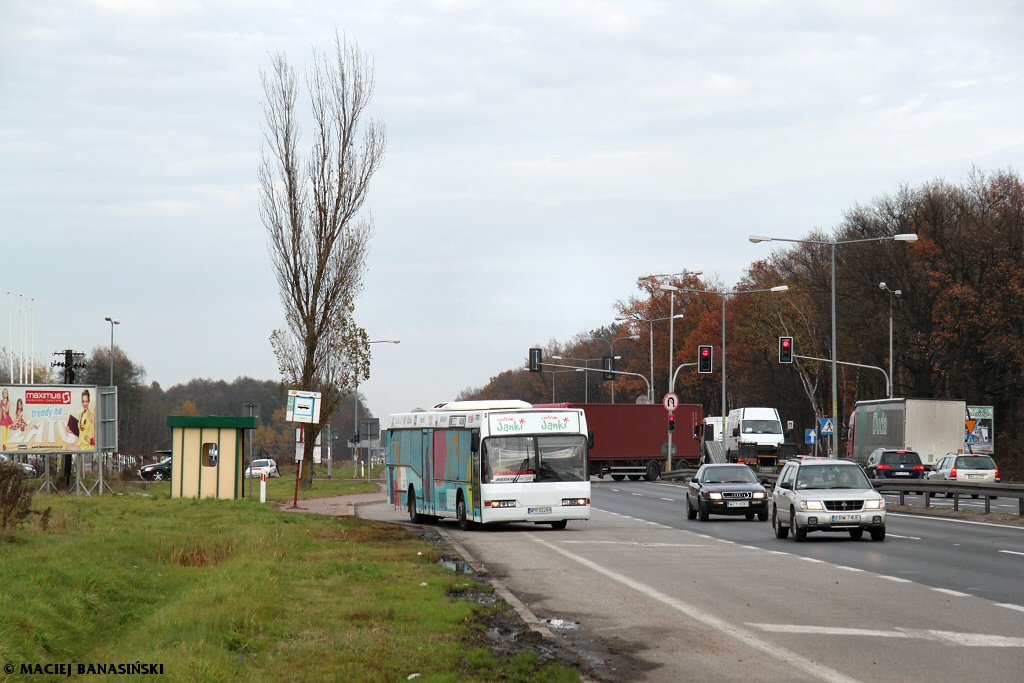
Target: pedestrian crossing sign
<point x="826" y="425"/>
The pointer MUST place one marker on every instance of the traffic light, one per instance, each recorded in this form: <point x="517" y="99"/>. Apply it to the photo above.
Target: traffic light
<point x="535" y="358"/>
<point x="608" y="363"/>
<point x="785" y="349"/>
<point x="671" y="422"/>
<point x="704" y="358"/>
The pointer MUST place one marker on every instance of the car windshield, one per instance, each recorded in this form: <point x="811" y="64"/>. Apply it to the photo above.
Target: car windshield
<point x="831" y="477"/>
<point x="904" y="458"/>
<point x="975" y="462"/>
<point x="740" y="474"/>
<point x="761" y="427"/>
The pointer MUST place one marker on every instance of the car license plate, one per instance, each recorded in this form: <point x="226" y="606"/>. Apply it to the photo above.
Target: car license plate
<point x="738" y="504"/>
<point x="902" y="474"/>
<point x="539" y="511"/>
<point x="840" y="519"/>
<point x="975" y="476"/>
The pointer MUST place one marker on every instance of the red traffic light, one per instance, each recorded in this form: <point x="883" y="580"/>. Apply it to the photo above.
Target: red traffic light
<point x="785" y="349"/>
<point x="671" y="422"/>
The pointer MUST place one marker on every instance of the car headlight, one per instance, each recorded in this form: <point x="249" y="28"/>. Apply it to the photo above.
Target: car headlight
<point x="758" y="494"/>
<point x="874" y="504"/>
<point x="811" y="505"/>
<point x="715" y="496"/>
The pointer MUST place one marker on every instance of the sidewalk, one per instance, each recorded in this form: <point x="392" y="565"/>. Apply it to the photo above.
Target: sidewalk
<point x="336" y="506"/>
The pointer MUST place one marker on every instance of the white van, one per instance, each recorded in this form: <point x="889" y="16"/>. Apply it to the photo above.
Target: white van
<point x="760" y="427"/>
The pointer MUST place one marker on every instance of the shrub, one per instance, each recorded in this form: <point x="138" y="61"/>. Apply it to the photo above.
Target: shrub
<point x="15" y="496"/>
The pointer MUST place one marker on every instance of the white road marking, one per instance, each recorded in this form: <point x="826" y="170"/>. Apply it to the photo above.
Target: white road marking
<point x="1008" y="605"/>
<point x="897" y="579"/>
<point x="957" y="521"/>
<point x="638" y="494"/>
<point x="947" y="591"/>
<point x="849" y="569"/>
<point x="1011" y="552"/>
<point x="912" y="538"/>
<point x="637" y="543"/>
<point x="671" y="500"/>
<point x="947" y="637"/>
<point x="732" y="631"/>
<point x="811" y="559"/>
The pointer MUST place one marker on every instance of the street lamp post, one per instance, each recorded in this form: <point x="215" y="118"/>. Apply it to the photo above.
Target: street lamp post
<point x="112" y="322"/>
<point x="355" y="403"/>
<point x="893" y="294"/>
<point x="650" y="321"/>
<point x="723" y="295"/>
<point x="611" y="352"/>
<point x="586" y="375"/>
<point x="901" y="237"/>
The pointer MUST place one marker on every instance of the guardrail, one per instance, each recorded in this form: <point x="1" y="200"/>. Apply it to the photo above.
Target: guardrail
<point x="928" y="487"/>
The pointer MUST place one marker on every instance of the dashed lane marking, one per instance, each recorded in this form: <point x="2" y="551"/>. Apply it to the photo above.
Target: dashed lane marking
<point x="947" y="637"/>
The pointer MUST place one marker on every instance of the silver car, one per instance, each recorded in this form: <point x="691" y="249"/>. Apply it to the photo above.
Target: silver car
<point x="819" y="494"/>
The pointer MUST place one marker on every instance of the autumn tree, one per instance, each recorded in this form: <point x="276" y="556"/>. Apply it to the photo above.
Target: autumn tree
<point x="311" y="206"/>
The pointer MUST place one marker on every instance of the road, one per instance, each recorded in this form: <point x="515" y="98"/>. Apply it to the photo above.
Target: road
<point x="674" y="599"/>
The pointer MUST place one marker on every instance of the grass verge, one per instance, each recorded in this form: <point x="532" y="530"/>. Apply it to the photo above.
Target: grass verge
<point x="236" y="591"/>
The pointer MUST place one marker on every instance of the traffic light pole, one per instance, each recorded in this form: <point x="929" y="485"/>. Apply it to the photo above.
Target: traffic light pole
<point x="671" y="390"/>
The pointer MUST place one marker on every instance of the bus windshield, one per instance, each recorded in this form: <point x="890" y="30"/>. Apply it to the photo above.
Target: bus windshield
<point x="508" y="459"/>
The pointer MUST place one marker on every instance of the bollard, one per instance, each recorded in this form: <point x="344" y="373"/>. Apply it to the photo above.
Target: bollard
<point x="263" y="487"/>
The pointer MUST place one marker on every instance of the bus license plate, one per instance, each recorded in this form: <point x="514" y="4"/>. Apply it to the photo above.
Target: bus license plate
<point x="738" y="503"/>
<point x="839" y="519"/>
<point x="539" y="511"/>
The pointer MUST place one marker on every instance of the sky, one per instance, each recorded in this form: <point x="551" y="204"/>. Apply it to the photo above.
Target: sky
<point x="541" y="156"/>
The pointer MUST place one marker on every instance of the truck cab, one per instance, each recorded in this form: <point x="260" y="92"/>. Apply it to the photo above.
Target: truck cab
<point x="753" y="436"/>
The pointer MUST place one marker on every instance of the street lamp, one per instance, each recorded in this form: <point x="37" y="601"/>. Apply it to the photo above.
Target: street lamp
<point x="672" y="315"/>
<point x="555" y="372"/>
<point x="777" y="289"/>
<point x="355" y="402"/>
<point x="586" y="376"/>
<point x="901" y="237"/>
<point x="112" y="322"/>
<point x="636" y="317"/>
<point x="611" y="352"/>
<point x="893" y="294"/>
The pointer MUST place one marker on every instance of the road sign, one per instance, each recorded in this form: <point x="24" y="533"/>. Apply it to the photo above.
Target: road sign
<point x="826" y="426"/>
<point x="810" y="436"/>
<point x="671" y="402"/>
<point x="971" y="424"/>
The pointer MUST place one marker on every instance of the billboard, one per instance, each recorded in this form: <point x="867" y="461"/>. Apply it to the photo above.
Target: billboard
<point x="48" y="418"/>
<point x="982" y="439"/>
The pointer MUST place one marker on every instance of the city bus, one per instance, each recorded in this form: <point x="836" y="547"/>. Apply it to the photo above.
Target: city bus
<point x="489" y="462"/>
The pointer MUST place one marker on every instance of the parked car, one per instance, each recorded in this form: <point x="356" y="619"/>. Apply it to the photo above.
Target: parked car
<point x="819" y="494"/>
<point x="29" y="470"/>
<point x="257" y="467"/>
<point x="974" y="469"/>
<point x="158" y="471"/>
<point x="726" y="489"/>
<point x="892" y="463"/>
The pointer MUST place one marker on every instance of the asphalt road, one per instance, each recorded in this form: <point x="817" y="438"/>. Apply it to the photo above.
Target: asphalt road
<point x="647" y="595"/>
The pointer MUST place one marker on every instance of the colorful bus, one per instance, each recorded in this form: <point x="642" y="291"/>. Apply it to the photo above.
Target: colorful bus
<point x="490" y="462"/>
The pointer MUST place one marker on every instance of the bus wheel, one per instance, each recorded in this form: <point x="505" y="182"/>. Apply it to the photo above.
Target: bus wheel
<point x="560" y="524"/>
<point x="414" y="517"/>
<point x="460" y="511"/>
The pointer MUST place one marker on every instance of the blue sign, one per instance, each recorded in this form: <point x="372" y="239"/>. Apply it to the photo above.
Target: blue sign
<point x="826" y="426"/>
<point x="810" y="436"/>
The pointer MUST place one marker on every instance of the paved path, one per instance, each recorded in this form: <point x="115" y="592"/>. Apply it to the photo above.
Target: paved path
<point x="337" y="506"/>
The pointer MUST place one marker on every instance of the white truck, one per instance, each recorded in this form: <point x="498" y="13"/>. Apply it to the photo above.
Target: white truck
<point x="753" y="436"/>
<point x="930" y="427"/>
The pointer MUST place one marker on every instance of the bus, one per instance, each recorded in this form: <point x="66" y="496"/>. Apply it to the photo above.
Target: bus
<point x="489" y="462"/>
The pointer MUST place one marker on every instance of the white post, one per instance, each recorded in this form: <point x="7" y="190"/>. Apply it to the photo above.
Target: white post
<point x="263" y="486"/>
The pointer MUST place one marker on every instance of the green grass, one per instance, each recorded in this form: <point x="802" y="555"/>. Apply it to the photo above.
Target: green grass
<point x="237" y="591"/>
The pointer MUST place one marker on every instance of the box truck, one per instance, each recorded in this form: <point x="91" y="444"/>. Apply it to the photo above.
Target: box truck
<point x="931" y="427"/>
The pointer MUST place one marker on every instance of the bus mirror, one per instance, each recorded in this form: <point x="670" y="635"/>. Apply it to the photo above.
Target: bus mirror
<point x="474" y="442"/>
<point x="590" y="440"/>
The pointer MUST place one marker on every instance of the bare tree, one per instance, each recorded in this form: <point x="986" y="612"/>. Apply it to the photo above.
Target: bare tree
<point x="311" y="207"/>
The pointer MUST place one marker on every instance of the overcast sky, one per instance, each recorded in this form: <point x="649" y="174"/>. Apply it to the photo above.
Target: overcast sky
<point x="540" y="157"/>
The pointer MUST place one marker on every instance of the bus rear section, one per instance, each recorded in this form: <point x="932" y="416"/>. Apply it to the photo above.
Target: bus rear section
<point x="490" y="465"/>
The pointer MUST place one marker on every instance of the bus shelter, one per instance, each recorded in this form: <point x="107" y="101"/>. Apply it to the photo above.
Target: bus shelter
<point x="207" y="455"/>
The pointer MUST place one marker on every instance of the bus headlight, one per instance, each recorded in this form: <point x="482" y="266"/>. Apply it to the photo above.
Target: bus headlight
<point x="575" y="501"/>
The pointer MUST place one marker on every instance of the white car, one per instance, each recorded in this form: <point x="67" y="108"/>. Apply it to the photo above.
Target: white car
<point x="967" y="468"/>
<point x="261" y="465"/>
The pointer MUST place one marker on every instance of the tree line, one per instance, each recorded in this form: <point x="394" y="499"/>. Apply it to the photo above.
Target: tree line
<point x="957" y="325"/>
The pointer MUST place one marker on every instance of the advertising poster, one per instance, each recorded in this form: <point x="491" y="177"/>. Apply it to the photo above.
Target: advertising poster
<point x="40" y="418"/>
<point x="982" y="439"/>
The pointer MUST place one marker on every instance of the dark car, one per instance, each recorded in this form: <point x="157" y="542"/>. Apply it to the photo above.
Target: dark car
<point x="891" y="463"/>
<point x="159" y="471"/>
<point x="726" y="489"/>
